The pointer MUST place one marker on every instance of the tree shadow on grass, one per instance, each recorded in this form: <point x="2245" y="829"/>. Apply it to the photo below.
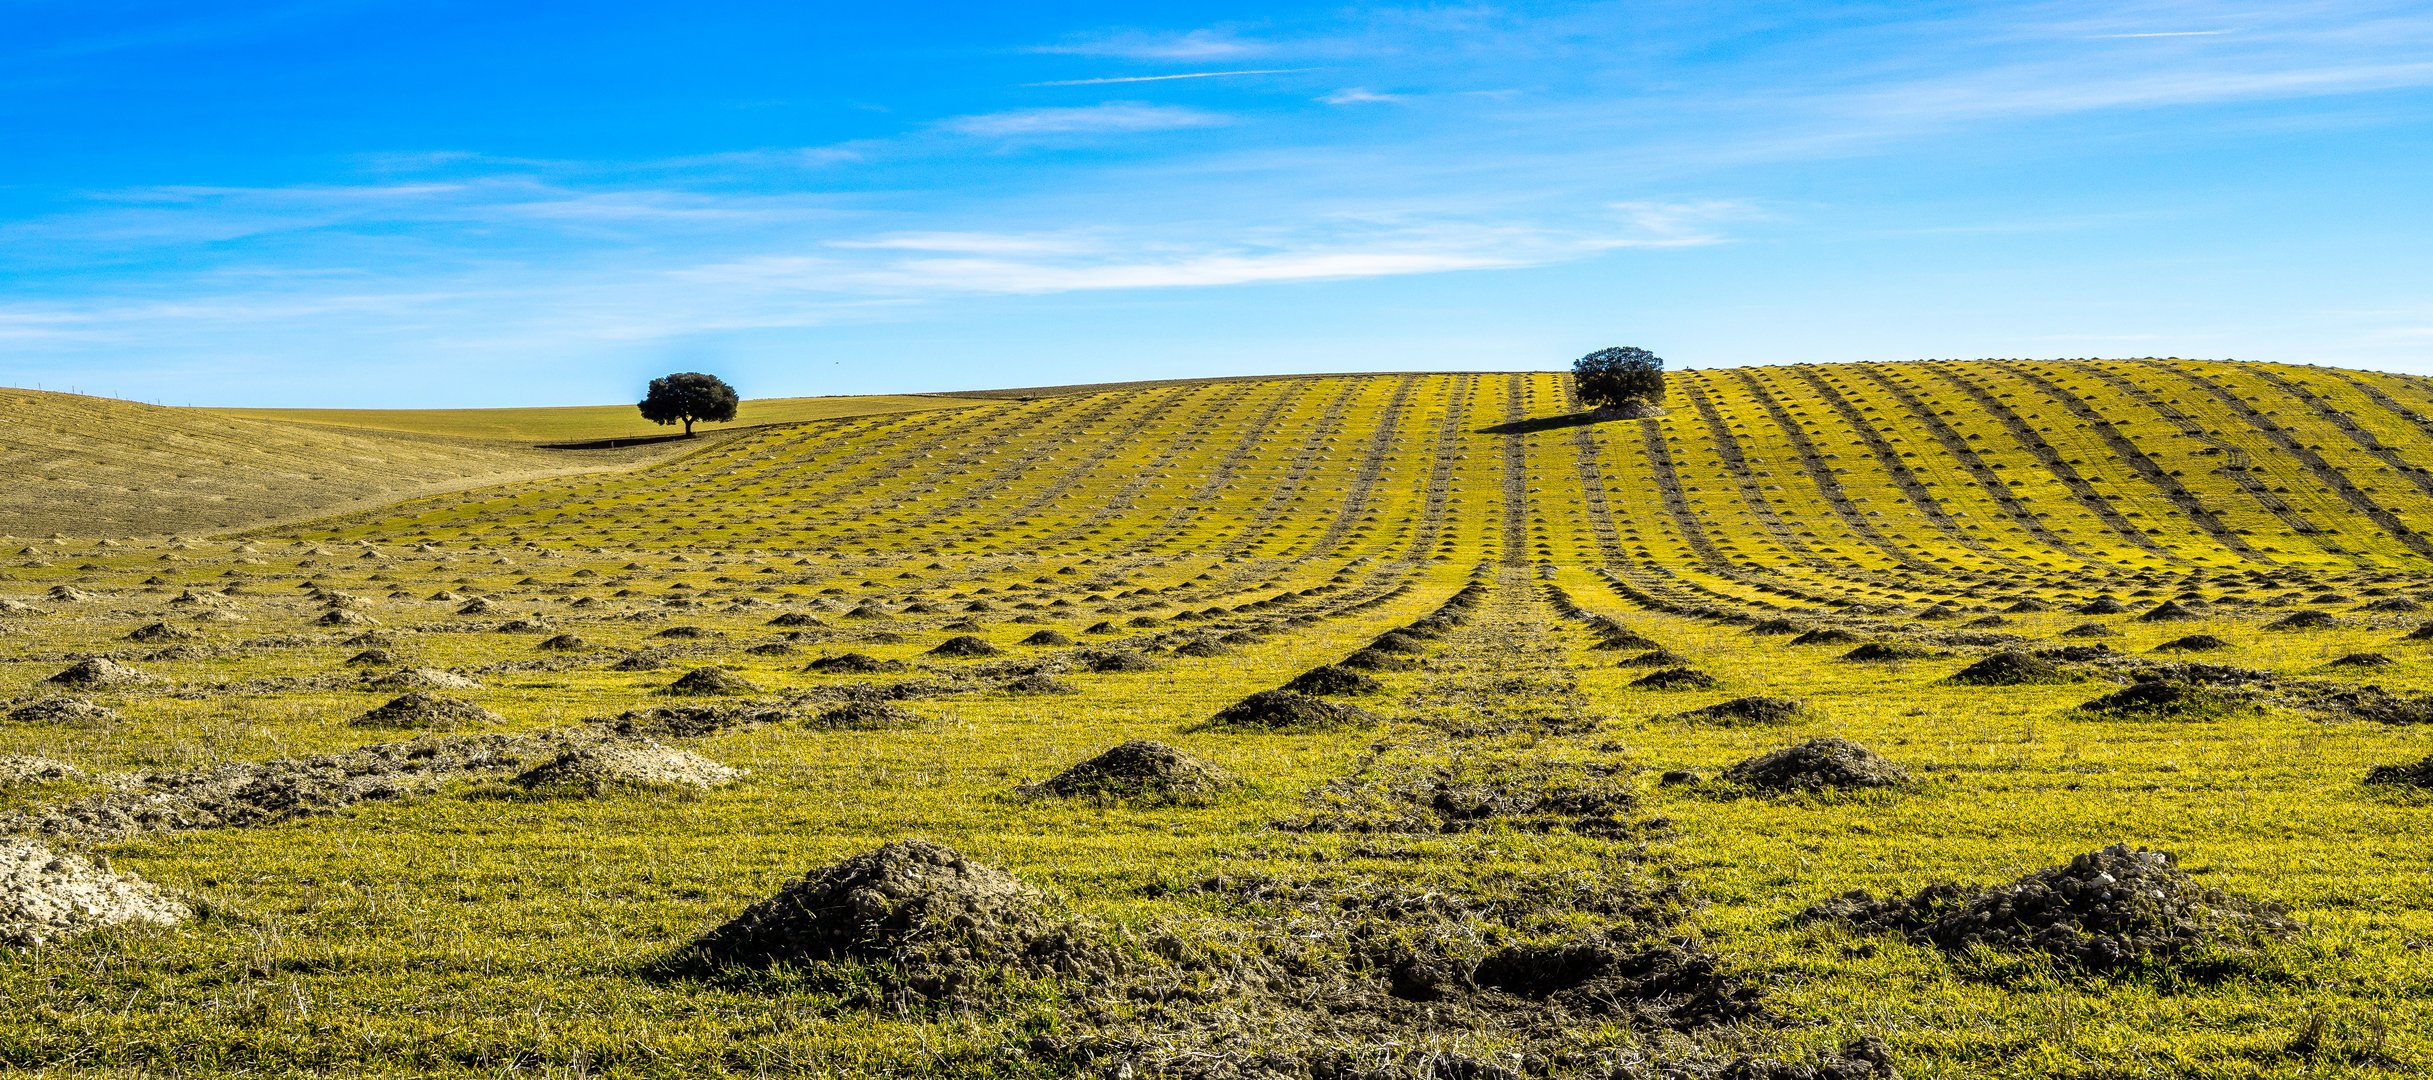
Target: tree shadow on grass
<point x="1549" y="423"/>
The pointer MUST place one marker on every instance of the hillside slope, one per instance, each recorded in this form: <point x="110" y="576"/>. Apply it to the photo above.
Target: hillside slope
<point x="100" y="467"/>
<point x="1840" y="484"/>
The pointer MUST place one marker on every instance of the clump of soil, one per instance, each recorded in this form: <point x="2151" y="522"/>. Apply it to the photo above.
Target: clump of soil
<point x="2193" y="643"/>
<point x="150" y="633"/>
<point x="1675" y="678"/>
<point x="1377" y="660"/>
<point x="1281" y="710"/>
<point x="965" y="645"/>
<point x="710" y="681"/>
<point x="99" y="672"/>
<point x="1884" y="652"/>
<point x="1400" y="642"/>
<point x="2170" y="611"/>
<point x="18" y="771"/>
<point x="2010" y="668"/>
<point x="1201" y="648"/>
<point x="2102" y="605"/>
<point x="865" y="716"/>
<point x="2393" y="603"/>
<point x="920" y="918"/>
<point x="2090" y="630"/>
<point x="424" y="709"/>
<point x="563" y="643"/>
<point x="1831" y="763"/>
<point x="65" y="712"/>
<point x="1748" y="710"/>
<point x="2421" y="633"/>
<point x="1140" y="771"/>
<point x="2303" y="620"/>
<point x="1107" y="660"/>
<point x="1039" y="682"/>
<point x="1654" y="658"/>
<point x="372" y="658"/>
<point x="2106" y="912"/>
<point x="2362" y="659"/>
<point x="2417" y="774"/>
<point x="1830" y="635"/>
<point x="1047" y="637"/>
<point x="1334" y="680"/>
<point x="423" y="678"/>
<point x="854" y="663"/>
<point x="2165" y="699"/>
<point x="639" y="763"/>
<point x="47" y="896"/>
<point x="639" y="661"/>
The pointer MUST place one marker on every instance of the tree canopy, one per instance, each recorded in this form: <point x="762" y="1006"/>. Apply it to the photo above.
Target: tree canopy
<point x="1614" y="378"/>
<point x="689" y="396"/>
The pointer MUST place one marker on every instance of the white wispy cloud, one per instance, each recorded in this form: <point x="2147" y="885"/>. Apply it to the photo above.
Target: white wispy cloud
<point x="1111" y="118"/>
<point x="1357" y="95"/>
<point x="1110" y="80"/>
<point x="1138" y="45"/>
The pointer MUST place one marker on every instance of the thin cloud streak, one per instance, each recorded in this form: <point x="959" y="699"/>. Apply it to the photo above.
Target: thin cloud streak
<point x="1169" y="78"/>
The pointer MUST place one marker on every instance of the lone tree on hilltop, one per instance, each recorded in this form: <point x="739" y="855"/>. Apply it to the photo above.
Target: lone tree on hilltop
<point x="688" y="396"/>
<point x="1628" y="380"/>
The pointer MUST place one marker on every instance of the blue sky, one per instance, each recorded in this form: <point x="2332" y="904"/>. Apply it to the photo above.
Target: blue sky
<point x="435" y="203"/>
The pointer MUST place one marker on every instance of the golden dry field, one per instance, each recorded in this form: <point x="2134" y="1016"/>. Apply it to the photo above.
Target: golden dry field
<point x="1393" y="725"/>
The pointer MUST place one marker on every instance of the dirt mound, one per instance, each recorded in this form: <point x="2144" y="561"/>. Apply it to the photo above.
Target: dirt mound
<point x="1280" y="710"/>
<point x="865" y="716"/>
<point x="1886" y="652"/>
<point x="2089" y="630"/>
<point x="18" y="771"/>
<point x="965" y="645"/>
<point x="2393" y="604"/>
<point x="1654" y="658"/>
<point x="617" y="763"/>
<point x="47" y="897"/>
<point x="2417" y="774"/>
<point x="422" y="678"/>
<point x="710" y="681"/>
<point x="1039" y="682"/>
<point x="2193" y="643"/>
<point x="1827" y="764"/>
<point x="920" y="918"/>
<point x="150" y="633"/>
<point x="1047" y="637"/>
<point x="1748" y="710"/>
<point x="64" y="711"/>
<point x="1140" y="771"/>
<point x="2303" y="620"/>
<point x="2171" y="611"/>
<point x="1674" y="678"/>
<point x="2105" y="912"/>
<point x="424" y="709"/>
<point x="1831" y="635"/>
<point x="563" y="643"/>
<point x="372" y="658"/>
<point x="639" y="661"/>
<point x="1108" y="660"/>
<point x="99" y="672"/>
<point x="2010" y="668"/>
<point x="2362" y="659"/>
<point x="854" y="663"/>
<point x="2101" y="605"/>
<point x="1334" y="680"/>
<point x="1201" y="648"/>
<point x="2165" y="699"/>
<point x="1377" y="660"/>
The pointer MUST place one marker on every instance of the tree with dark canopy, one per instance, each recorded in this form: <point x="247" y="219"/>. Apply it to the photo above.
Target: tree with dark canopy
<point x="1625" y="378"/>
<point x="688" y="396"/>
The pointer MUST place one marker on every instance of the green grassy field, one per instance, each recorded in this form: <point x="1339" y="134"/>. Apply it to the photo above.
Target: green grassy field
<point x="1486" y="869"/>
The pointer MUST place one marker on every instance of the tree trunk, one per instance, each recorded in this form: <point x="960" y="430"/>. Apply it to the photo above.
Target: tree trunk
<point x="688" y="427"/>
